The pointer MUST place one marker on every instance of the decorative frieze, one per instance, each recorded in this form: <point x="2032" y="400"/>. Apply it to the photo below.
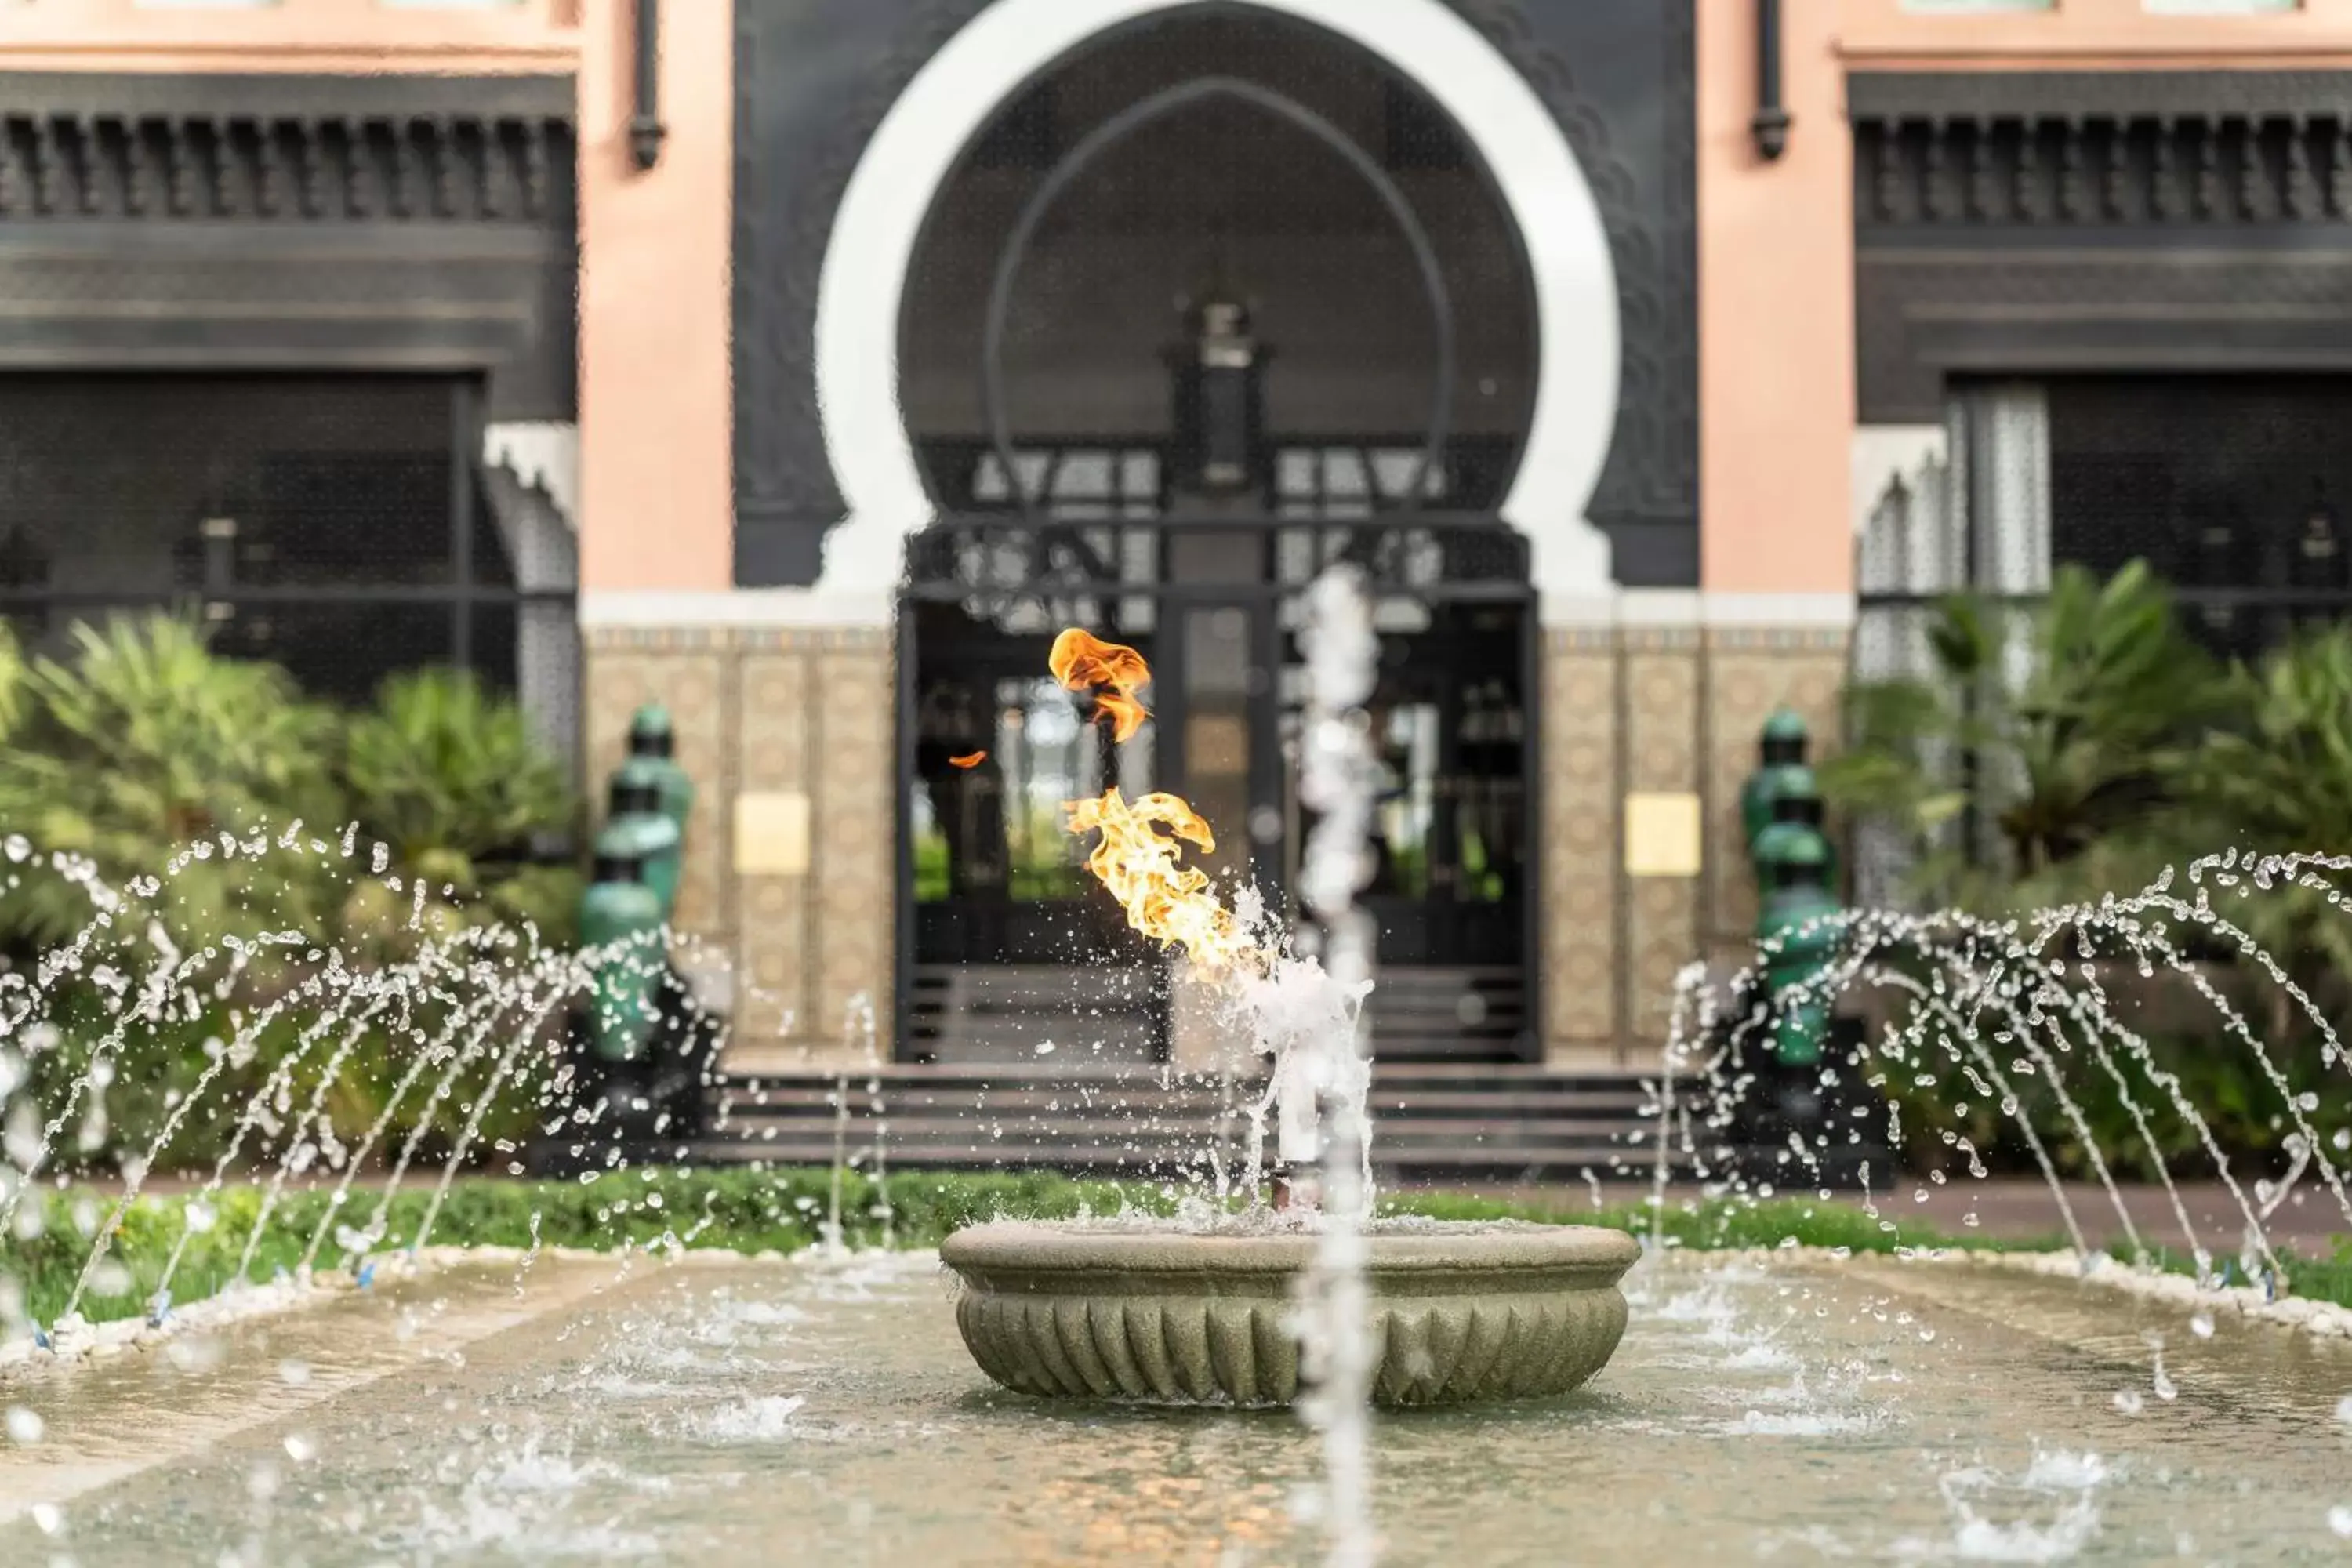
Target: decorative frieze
<point x="2058" y="151"/>
<point x="318" y="168"/>
<point x="152" y="220"/>
<point x="1973" y="172"/>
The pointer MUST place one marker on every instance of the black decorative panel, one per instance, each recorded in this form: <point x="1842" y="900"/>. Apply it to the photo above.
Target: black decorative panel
<point x="2054" y="222"/>
<point x="814" y="77"/>
<point x="380" y="222"/>
<point x="1618" y="76"/>
<point x="812" y="80"/>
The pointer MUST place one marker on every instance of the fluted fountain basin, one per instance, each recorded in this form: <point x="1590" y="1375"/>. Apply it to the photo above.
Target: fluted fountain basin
<point x="1460" y="1312"/>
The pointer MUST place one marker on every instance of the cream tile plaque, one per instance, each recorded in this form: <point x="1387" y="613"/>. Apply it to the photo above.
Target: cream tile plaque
<point x="771" y="833"/>
<point x="1663" y="834"/>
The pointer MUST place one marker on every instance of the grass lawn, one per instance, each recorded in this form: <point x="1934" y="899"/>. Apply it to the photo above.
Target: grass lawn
<point x="782" y="1210"/>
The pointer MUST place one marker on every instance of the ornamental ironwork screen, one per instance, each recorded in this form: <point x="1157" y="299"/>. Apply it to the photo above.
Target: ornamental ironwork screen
<point x="344" y="526"/>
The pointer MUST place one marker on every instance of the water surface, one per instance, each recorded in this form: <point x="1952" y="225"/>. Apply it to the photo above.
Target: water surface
<point x="824" y="1411"/>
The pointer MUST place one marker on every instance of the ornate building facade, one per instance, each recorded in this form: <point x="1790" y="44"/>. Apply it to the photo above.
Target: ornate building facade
<point x="804" y="364"/>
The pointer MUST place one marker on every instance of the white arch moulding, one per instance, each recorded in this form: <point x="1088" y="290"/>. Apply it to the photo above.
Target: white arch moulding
<point x="914" y="151"/>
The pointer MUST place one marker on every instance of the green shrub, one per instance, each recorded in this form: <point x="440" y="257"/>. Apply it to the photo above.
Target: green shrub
<point x="454" y="781"/>
<point x="148" y="746"/>
<point x="225" y="823"/>
<point x="746" y="1209"/>
<point x="2243" y="1111"/>
<point x="2077" y="730"/>
<point x="2107" y="750"/>
<point x="2277" y="779"/>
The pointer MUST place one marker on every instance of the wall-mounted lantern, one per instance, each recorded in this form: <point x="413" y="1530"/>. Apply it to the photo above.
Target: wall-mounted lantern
<point x="2319" y="549"/>
<point x="1220" y="398"/>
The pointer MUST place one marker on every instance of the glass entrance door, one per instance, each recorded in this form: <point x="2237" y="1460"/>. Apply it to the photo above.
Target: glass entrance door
<point x="1450" y="838"/>
<point x="1222" y="699"/>
<point x="999" y="748"/>
<point x="1011" y="942"/>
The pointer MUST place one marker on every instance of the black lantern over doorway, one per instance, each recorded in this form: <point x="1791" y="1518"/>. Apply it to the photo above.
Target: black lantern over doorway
<point x="1220" y="370"/>
<point x="2319" y="560"/>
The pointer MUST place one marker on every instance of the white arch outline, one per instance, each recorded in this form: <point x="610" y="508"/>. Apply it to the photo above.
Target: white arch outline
<point x="913" y="151"/>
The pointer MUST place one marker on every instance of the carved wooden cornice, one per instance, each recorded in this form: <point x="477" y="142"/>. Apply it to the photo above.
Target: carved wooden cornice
<point x="396" y="150"/>
<point x="2113" y="149"/>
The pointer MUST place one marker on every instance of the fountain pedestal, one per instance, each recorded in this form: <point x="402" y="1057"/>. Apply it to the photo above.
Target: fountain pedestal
<point x="1459" y="1313"/>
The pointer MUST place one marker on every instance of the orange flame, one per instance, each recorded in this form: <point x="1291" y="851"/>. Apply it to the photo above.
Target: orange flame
<point x="1164" y="898"/>
<point x="1139" y="863"/>
<point x="1081" y="659"/>
<point x="970" y="760"/>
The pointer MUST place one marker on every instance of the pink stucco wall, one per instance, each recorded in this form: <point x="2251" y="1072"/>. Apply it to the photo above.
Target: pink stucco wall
<point x="290" y="36"/>
<point x="2085" y="35"/>
<point x="656" y="491"/>
<point x="1776" y="274"/>
<point x="1775" y="314"/>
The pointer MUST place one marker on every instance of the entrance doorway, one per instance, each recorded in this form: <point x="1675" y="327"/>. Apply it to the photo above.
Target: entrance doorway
<point x="1215" y="305"/>
<point x="1012" y="939"/>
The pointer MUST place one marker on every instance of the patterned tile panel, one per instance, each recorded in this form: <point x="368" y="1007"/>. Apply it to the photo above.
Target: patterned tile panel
<point x="692" y="686"/>
<point x="1662" y="712"/>
<point x="856" y="790"/>
<point x="618" y="680"/>
<point x="1748" y="680"/>
<point x="1578" y="906"/>
<point x="773" y="702"/>
<point x="786" y="709"/>
<point x="696" y="689"/>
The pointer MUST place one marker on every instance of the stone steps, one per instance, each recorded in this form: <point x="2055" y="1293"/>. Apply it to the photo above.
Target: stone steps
<point x="1480" y="1121"/>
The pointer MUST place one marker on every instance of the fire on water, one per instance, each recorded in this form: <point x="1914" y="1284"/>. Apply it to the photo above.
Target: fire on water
<point x="1140" y="865"/>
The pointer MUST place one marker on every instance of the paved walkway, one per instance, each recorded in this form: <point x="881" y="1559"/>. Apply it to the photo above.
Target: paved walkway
<point x="2024" y="1210"/>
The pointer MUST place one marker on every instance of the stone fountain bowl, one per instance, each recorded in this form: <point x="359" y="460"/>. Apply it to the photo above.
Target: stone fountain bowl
<point x="1461" y="1312"/>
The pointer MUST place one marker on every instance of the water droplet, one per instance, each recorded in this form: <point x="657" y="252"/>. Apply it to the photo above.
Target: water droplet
<point x="301" y="1448"/>
<point x="2344" y="1410"/>
<point x="2202" y="1325"/>
<point x="293" y="1373"/>
<point x="48" y="1518"/>
<point x="2339" y="1520"/>
<point x="2129" y="1402"/>
<point x="25" y="1426"/>
<point x="194" y="1352"/>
